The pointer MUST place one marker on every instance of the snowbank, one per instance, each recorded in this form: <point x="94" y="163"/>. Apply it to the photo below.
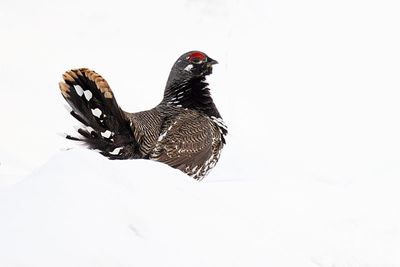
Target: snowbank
<point x="309" y="176"/>
<point x="80" y="209"/>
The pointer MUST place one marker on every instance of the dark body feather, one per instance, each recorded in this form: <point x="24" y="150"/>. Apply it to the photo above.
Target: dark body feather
<point x="184" y="131"/>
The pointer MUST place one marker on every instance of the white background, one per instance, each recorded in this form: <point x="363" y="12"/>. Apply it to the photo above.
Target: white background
<point x="308" y="89"/>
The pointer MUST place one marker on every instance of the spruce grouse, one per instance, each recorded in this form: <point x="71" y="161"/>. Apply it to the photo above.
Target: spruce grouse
<point x="184" y="131"/>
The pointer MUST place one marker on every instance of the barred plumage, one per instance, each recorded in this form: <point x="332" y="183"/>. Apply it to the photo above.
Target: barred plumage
<point x="184" y="131"/>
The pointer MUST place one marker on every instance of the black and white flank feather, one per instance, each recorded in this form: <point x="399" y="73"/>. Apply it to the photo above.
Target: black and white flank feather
<point x="184" y="131"/>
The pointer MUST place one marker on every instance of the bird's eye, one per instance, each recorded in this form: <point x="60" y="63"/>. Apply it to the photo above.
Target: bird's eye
<point x="197" y="57"/>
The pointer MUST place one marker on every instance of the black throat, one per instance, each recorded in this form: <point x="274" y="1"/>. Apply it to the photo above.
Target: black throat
<point x="192" y="93"/>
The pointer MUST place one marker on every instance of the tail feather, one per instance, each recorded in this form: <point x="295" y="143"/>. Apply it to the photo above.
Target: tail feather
<point x="107" y="129"/>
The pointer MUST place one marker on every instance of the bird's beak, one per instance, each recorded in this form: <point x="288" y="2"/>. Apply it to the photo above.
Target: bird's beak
<point x="212" y="61"/>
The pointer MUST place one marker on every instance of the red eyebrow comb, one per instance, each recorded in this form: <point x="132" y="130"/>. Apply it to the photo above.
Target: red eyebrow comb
<point x="197" y="55"/>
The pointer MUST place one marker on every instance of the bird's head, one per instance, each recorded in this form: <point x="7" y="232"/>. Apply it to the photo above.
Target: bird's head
<point x="186" y="84"/>
<point x="194" y="64"/>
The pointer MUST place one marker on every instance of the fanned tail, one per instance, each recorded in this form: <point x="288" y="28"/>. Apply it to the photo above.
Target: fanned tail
<point x="107" y="129"/>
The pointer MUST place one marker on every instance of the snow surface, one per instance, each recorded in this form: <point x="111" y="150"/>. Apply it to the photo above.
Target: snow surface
<point x="81" y="209"/>
<point x="310" y="174"/>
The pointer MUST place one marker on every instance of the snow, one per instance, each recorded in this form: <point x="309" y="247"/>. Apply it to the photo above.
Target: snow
<point x="108" y="215"/>
<point x="81" y="209"/>
<point x="308" y="89"/>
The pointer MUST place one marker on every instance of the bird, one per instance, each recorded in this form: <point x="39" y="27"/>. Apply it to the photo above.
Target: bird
<point x="185" y="130"/>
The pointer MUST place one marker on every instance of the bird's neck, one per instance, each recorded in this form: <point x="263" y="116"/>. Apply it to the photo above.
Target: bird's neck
<point x="192" y="93"/>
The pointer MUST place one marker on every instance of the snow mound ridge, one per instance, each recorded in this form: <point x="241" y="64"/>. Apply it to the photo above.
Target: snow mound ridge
<point x="81" y="209"/>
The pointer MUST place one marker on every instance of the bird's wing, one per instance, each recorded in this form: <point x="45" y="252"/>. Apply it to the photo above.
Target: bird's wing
<point x="190" y="142"/>
<point x="107" y="127"/>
